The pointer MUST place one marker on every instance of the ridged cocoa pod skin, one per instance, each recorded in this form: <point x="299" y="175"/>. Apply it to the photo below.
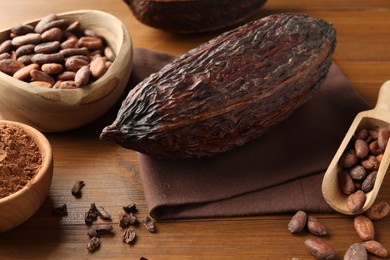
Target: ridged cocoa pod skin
<point x="227" y="91"/>
<point x="193" y="16"/>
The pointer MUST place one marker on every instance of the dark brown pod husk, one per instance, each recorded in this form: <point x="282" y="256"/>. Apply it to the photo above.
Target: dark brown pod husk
<point x="227" y="91"/>
<point x="193" y="16"/>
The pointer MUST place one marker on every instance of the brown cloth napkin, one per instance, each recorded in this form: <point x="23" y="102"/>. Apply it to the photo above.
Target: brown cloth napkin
<point x="279" y="172"/>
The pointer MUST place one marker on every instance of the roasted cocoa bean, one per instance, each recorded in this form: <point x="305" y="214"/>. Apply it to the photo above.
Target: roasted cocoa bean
<point x="356" y="201"/>
<point x="349" y="159"/>
<point x="358" y="173"/>
<point x="25" y="50"/>
<point x="48" y="18"/>
<point x="71" y="42"/>
<point x="98" y="67"/>
<point x="90" y="42"/>
<point x="103" y="213"/>
<point x="66" y="75"/>
<point x="43" y="84"/>
<point x="364" y="228"/>
<point x="74" y="51"/>
<point x="374" y="148"/>
<point x="41" y="58"/>
<point x="67" y="84"/>
<point x="370" y="163"/>
<point x="109" y="53"/>
<point x="236" y="80"/>
<point x="91" y="215"/>
<point x="356" y="252"/>
<point x="61" y="210"/>
<point x="130" y="208"/>
<point x="5" y="55"/>
<point x="297" y="222"/>
<point x="59" y="23"/>
<point x="375" y="248"/>
<point x="5" y="46"/>
<point x="378" y="210"/>
<point x="346" y="183"/>
<point x="99" y="230"/>
<point x="74" y="64"/>
<point x="315" y="226"/>
<point x="37" y="75"/>
<point x="26" y="59"/>
<point x="320" y="249"/>
<point x="74" y="27"/>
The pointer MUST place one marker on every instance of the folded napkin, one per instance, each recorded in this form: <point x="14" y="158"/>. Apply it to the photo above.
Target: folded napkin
<point x="279" y="172"/>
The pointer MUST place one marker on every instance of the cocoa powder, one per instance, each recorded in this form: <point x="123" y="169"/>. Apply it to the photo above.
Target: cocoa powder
<point x="20" y="159"/>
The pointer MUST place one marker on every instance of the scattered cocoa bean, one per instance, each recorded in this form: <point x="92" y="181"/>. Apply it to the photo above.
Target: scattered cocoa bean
<point x="130" y="208"/>
<point x="320" y="249"/>
<point x="375" y="248"/>
<point x="356" y="252"/>
<point x="103" y="213"/>
<point x="297" y="222"/>
<point x="364" y="228"/>
<point x="315" y="226"/>
<point x="378" y="210"/>
<point x="91" y="215"/>
<point x="61" y="210"/>
<point x="99" y="230"/>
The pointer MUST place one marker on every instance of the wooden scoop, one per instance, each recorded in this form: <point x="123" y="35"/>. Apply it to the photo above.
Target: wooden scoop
<point x="370" y="119"/>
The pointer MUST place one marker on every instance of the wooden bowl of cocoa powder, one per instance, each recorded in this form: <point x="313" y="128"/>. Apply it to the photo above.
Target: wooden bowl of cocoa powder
<point x="55" y="101"/>
<point x="26" y="169"/>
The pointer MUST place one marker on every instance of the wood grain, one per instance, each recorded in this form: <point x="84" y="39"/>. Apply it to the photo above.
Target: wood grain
<point x="111" y="173"/>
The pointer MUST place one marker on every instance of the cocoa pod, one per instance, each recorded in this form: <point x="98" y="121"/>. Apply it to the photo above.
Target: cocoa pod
<point x="297" y="222"/>
<point x="375" y="248"/>
<point x="227" y="91"/>
<point x="364" y="227"/>
<point x="192" y="16"/>
<point x="356" y="251"/>
<point x="320" y="249"/>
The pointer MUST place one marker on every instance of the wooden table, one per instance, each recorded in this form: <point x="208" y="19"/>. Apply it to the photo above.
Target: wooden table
<point x="111" y="173"/>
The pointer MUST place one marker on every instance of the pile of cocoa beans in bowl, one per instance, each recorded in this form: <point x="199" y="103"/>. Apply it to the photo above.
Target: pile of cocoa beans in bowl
<point x="55" y="53"/>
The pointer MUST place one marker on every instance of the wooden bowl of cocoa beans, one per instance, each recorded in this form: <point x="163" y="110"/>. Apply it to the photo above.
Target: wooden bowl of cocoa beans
<point x="26" y="169"/>
<point x="64" y="70"/>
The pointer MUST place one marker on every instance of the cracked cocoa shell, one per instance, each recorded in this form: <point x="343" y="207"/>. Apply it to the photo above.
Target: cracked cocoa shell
<point x="193" y="16"/>
<point x="227" y="91"/>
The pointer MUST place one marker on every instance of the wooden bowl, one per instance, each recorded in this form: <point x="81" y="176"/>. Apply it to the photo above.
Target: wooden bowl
<point x="54" y="110"/>
<point x="21" y="205"/>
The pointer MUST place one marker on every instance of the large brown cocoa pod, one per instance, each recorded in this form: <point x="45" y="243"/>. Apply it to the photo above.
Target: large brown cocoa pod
<point x="227" y="91"/>
<point x="193" y="16"/>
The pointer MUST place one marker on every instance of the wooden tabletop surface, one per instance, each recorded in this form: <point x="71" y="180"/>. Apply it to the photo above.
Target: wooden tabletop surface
<point x="111" y="173"/>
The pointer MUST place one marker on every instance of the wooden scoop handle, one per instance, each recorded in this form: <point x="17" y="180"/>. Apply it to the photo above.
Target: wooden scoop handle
<point x="383" y="102"/>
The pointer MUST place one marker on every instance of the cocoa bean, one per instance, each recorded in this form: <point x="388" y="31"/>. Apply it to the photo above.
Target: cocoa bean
<point x="74" y="51"/>
<point x="90" y="42"/>
<point x="315" y="226"/>
<point x="355" y="201"/>
<point x="22" y="29"/>
<point x="358" y="173"/>
<point x="82" y="76"/>
<point x="54" y="34"/>
<point x="109" y="53"/>
<point x="369" y="182"/>
<point x="25" y="50"/>
<point x="356" y="252"/>
<point x="71" y="42"/>
<point x="48" y="18"/>
<point x="374" y="148"/>
<point x="361" y="134"/>
<point x="346" y="183"/>
<point x="349" y="159"/>
<point x="74" y="63"/>
<point x="37" y="75"/>
<point x="320" y="249"/>
<point x="52" y="68"/>
<point x="5" y="46"/>
<point x="41" y="84"/>
<point x="30" y="38"/>
<point x="58" y="23"/>
<point x="74" y="26"/>
<point x="66" y="75"/>
<point x="41" y="58"/>
<point x="98" y="67"/>
<point x="378" y="210"/>
<point x="297" y="222"/>
<point x="383" y="138"/>
<point x="10" y="66"/>
<point x="68" y="84"/>
<point x="361" y="148"/>
<point x="47" y="47"/>
<point x="370" y="163"/>
<point x="364" y="228"/>
<point x="26" y="59"/>
<point x="5" y="56"/>
<point x="375" y="248"/>
<point x="24" y="73"/>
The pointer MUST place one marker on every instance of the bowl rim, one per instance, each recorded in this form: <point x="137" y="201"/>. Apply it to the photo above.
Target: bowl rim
<point x="70" y="96"/>
<point x="47" y="158"/>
